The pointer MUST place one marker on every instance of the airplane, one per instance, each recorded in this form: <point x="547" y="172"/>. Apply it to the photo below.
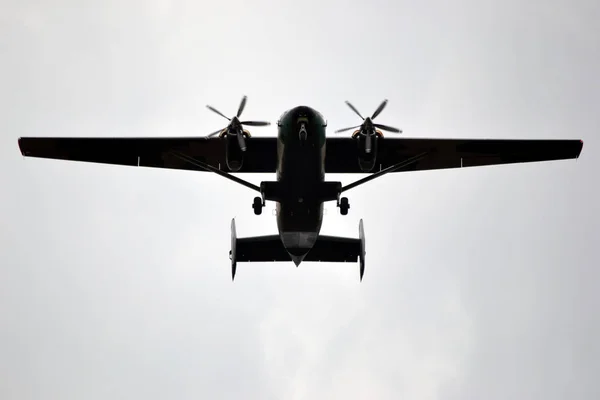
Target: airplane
<point x="300" y="155"/>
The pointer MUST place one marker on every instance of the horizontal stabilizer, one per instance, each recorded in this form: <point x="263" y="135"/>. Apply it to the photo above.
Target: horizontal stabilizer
<point x="270" y="248"/>
<point x="261" y="248"/>
<point x="334" y="249"/>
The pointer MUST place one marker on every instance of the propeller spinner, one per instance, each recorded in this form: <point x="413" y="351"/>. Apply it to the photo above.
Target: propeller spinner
<point x="367" y="128"/>
<point x="235" y="126"/>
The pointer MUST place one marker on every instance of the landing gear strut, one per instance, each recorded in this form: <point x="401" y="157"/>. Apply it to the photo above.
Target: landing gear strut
<point x="343" y="205"/>
<point x="258" y="205"/>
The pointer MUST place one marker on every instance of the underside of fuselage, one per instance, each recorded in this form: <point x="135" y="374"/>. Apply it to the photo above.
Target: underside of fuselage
<point x="300" y="170"/>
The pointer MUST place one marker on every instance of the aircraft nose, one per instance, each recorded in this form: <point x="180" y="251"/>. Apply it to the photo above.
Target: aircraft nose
<point x="303" y="133"/>
<point x="303" y="122"/>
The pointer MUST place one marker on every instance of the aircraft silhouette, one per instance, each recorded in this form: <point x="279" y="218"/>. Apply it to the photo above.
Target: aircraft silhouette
<point x="300" y="155"/>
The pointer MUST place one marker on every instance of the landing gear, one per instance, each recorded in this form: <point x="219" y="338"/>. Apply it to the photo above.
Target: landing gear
<point x="344" y="206"/>
<point x="258" y="205"/>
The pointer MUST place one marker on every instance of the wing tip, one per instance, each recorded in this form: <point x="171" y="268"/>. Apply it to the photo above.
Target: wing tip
<point x="21" y="149"/>
<point x="24" y="147"/>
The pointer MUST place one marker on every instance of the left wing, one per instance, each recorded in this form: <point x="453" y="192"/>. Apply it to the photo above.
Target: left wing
<point x="342" y="153"/>
<point x="260" y="156"/>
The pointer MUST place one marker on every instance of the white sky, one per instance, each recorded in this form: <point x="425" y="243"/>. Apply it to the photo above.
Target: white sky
<point x="480" y="283"/>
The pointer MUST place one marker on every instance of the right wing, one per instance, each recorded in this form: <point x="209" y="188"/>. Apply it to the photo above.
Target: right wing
<point x="342" y="153"/>
<point x="260" y="156"/>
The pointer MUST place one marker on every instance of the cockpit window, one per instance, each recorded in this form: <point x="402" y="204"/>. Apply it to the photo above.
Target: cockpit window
<point x="302" y="114"/>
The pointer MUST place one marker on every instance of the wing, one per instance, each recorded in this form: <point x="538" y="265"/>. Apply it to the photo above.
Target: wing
<point x="260" y="156"/>
<point x="342" y="153"/>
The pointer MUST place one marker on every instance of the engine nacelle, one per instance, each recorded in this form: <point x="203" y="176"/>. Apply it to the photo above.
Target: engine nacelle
<point x="233" y="153"/>
<point x="366" y="161"/>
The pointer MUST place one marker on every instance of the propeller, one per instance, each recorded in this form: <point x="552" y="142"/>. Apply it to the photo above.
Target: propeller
<point x="235" y="126"/>
<point x="367" y="128"/>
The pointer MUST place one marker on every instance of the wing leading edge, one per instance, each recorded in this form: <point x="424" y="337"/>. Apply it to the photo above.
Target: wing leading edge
<point x="342" y="153"/>
<point x="260" y="156"/>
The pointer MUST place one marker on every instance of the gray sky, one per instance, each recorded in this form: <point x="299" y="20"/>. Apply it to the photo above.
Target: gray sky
<point x="480" y="283"/>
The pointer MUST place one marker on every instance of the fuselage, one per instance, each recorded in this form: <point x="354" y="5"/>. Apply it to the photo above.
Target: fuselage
<point x="301" y="149"/>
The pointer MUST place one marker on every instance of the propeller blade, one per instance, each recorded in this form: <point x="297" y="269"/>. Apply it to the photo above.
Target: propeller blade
<point x="218" y="112"/>
<point x="255" y="123"/>
<point x="354" y="109"/>
<point x="387" y="128"/>
<point x="379" y="109"/>
<point x="215" y="132"/>
<point x="347" y="129"/>
<point x="241" y="141"/>
<point x="242" y="106"/>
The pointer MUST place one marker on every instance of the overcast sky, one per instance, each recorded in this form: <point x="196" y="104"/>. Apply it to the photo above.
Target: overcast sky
<point x="480" y="283"/>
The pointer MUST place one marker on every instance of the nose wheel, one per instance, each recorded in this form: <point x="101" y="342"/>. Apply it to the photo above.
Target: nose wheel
<point x="258" y="205"/>
<point x="343" y="205"/>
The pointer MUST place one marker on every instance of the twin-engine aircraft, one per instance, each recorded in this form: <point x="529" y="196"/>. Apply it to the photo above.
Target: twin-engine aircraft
<point x="300" y="155"/>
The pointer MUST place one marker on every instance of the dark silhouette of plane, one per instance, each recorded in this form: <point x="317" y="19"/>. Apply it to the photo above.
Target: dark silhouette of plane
<point x="300" y="156"/>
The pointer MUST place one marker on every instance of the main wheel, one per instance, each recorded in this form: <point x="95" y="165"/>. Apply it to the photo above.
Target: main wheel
<point x="257" y="206"/>
<point x="344" y="206"/>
